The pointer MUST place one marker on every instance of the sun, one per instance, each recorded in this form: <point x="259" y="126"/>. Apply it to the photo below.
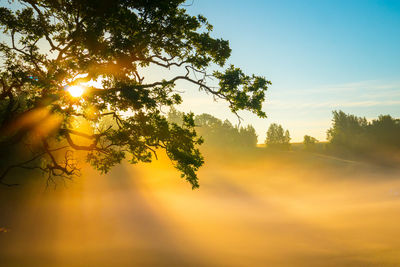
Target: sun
<point x="75" y="90"/>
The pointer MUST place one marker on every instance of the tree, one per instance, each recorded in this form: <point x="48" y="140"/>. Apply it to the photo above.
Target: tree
<point x="384" y="132"/>
<point x="352" y="134"/>
<point x="53" y="53"/>
<point x="218" y="133"/>
<point x="277" y="137"/>
<point x="247" y="136"/>
<point x="348" y="132"/>
<point x="309" y="142"/>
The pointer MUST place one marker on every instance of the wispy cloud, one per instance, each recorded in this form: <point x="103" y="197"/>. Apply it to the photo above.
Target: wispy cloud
<point x="357" y="94"/>
<point x="330" y="104"/>
<point x="374" y="87"/>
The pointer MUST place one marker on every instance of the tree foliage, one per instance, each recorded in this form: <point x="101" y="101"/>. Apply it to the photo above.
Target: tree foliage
<point x="277" y="137"/>
<point x="51" y="45"/>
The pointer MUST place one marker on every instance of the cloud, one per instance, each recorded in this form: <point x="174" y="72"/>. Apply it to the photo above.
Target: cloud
<point x="329" y="104"/>
<point x="357" y="86"/>
<point x="356" y="94"/>
<point x="362" y="87"/>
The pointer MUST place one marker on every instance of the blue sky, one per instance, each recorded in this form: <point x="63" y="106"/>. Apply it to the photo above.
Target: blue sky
<point x="320" y="56"/>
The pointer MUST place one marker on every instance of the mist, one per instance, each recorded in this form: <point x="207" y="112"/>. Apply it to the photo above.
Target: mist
<point x="253" y="208"/>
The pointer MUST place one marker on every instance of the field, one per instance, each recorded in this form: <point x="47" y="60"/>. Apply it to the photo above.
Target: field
<point x="257" y="209"/>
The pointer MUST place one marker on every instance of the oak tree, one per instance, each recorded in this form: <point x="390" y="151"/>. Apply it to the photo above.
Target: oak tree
<point x="72" y="78"/>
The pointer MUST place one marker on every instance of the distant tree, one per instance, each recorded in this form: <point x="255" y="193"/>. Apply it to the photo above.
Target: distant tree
<point x="348" y="132"/>
<point x="211" y="129"/>
<point x="218" y="133"/>
<point x="355" y="135"/>
<point x="222" y="133"/>
<point x="247" y="136"/>
<point x="50" y="49"/>
<point x="309" y="142"/>
<point x="277" y="137"/>
<point x="175" y="116"/>
<point x="384" y="132"/>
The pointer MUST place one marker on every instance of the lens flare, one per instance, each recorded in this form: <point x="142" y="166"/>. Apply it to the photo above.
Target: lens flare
<point x="75" y="90"/>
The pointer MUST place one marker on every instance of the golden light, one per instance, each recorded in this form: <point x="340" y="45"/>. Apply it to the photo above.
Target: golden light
<point x="75" y="90"/>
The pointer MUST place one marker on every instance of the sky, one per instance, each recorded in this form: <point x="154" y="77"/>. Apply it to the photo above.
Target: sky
<point x="320" y="56"/>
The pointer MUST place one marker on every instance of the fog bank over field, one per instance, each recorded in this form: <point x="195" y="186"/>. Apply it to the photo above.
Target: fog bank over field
<point x="253" y="209"/>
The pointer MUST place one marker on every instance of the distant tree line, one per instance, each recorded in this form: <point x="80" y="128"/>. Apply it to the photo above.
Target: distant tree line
<point x="218" y="133"/>
<point x="348" y="135"/>
<point x="352" y="134"/>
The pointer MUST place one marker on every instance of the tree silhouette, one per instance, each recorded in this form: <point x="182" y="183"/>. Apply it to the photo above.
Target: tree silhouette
<point x="277" y="137"/>
<point x="50" y="106"/>
<point x="309" y="142"/>
<point x="352" y="134"/>
<point x="384" y="132"/>
<point x="347" y="131"/>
